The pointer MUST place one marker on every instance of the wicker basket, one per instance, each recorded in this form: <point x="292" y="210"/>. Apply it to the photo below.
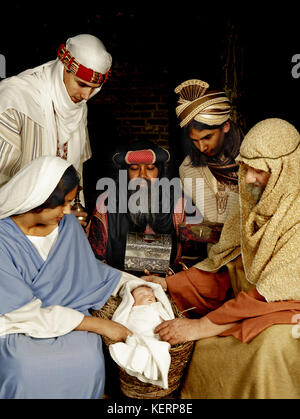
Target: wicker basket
<point x="131" y="386"/>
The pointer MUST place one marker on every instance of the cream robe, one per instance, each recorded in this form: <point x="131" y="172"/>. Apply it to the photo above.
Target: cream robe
<point x="187" y="171"/>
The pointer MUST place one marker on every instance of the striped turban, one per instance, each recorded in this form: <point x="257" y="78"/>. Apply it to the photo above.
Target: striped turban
<point x="210" y="107"/>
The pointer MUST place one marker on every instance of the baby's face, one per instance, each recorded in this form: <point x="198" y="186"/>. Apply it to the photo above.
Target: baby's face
<point x="143" y="295"/>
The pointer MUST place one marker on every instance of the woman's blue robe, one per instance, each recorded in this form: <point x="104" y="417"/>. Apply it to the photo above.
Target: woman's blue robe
<point x="68" y="366"/>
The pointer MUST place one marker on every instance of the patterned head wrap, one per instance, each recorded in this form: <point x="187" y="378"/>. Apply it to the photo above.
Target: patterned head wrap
<point x="270" y="232"/>
<point x="142" y="153"/>
<point x="195" y="102"/>
<point x="86" y="57"/>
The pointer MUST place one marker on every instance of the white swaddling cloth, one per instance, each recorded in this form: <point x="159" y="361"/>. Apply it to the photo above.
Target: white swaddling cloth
<point x="143" y="355"/>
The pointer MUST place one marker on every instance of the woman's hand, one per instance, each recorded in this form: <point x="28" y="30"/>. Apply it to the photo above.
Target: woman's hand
<point x="114" y="331"/>
<point x="81" y="217"/>
<point x="157" y="280"/>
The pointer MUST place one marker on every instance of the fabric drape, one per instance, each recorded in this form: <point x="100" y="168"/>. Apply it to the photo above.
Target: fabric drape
<point x="41" y="94"/>
<point x="210" y="294"/>
<point x="267" y="233"/>
<point x="69" y="366"/>
<point x="31" y="186"/>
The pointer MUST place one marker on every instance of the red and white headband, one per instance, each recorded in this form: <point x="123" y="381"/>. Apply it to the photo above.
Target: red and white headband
<point x="84" y="73"/>
<point x="155" y="155"/>
<point x="140" y="156"/>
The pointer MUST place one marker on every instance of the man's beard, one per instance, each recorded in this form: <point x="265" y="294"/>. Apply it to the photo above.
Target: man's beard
<point x="142" y="215"/>
<point x="142" y="219"/>
<point x="256" y="191"/>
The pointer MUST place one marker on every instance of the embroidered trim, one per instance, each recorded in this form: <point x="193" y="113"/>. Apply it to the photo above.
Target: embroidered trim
<point x="80" y="70"/>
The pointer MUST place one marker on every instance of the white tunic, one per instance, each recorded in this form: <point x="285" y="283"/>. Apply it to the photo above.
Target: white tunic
<point x="22" y="140"/>
<point x="44" y="244"/>
<point x="37" y="116"/>
<point x="219" y="200"/>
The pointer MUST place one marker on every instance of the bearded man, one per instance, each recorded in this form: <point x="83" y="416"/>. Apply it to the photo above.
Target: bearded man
<point x="246" y="295"/>
<point x="142" y="209"/>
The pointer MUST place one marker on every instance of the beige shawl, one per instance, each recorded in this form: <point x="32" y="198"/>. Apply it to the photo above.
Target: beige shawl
<point x="266" y="234"/>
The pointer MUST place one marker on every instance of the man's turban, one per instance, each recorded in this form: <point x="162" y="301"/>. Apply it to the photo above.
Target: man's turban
<point x="87" y="58"/>
<point x="196" y="102"/>
<point x="142" y="153"/>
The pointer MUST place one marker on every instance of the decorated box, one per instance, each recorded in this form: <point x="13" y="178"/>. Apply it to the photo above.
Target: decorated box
<point x="148" y="252"/>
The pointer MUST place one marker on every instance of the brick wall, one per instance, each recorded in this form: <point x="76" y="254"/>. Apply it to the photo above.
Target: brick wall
<point x="138" y="102"/>
<point x="134" y="104"/>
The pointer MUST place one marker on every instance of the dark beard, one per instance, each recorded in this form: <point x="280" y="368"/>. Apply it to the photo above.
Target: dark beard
<point x="143" y="216"/>
<point x="141" y="219"/>
<point x="155" y="215"/>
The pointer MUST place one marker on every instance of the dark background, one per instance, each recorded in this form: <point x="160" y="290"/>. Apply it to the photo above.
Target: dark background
<point x="155" y="46"/>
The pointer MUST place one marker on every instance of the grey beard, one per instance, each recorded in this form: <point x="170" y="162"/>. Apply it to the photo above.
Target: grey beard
<point x="256" y="191"/>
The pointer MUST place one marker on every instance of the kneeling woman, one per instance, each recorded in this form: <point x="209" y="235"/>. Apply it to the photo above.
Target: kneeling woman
<point x="49" y="279"/>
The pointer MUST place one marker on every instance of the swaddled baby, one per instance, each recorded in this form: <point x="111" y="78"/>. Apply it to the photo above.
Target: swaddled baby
<point x="146" y="313"/>
<point x="143" y="355"/>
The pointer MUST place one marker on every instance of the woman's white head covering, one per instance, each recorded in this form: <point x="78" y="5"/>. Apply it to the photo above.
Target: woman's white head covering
<point x="31" y="186"/>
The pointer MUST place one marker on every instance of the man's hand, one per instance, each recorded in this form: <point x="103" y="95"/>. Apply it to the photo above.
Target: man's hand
<point x="183" y="330"/>
<point x="157" y="280"/>
<point x="179" y="330"/>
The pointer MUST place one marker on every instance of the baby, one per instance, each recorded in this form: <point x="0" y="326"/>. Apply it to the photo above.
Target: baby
<point x="143" y="295"/>
<point x="145" y="313"/>
<point x="143" y="355"/>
